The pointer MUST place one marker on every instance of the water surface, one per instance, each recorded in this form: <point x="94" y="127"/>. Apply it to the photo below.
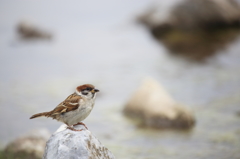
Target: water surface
<point x="99" y="43"/>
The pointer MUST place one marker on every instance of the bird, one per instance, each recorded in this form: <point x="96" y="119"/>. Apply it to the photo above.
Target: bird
<point x="75" y="108"/>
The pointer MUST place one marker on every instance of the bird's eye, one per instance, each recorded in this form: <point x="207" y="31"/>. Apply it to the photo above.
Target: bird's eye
<point x="89" y="89"/>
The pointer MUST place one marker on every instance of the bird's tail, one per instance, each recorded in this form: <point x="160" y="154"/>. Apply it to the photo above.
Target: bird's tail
<point x="40" y="114"/>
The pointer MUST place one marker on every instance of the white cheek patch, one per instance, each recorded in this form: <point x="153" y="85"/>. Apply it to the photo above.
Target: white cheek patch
<point x="78" y="93"/>
<point x="90" y="95"/>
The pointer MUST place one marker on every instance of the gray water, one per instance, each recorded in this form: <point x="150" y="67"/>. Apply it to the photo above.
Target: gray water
<point x="100" y="43"/>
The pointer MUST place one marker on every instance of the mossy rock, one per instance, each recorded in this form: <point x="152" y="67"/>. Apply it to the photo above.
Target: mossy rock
<point x="19" y="155"/>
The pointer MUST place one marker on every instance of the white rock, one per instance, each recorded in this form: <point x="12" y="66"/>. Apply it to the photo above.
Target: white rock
<point x="68" y="144"/>
<point x="154" y="107"/>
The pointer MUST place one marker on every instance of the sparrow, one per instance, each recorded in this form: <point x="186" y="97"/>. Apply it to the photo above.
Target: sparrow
<point x="75" y="108"/>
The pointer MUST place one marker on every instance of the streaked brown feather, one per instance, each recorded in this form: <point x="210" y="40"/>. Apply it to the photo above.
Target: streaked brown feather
<point x="40" y="114"/>
<point x="69" y="104"/>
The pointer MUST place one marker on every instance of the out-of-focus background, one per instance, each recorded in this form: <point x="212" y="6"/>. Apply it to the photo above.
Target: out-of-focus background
<point x="191" y="48"/>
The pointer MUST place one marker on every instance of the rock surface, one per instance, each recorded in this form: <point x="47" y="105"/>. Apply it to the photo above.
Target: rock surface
<point x="153" y="106"/>
<point x="29" y="146"/>
<point x="27" y="30"/>
<point x="65" y="143"/>
<point x="195" y="29"/>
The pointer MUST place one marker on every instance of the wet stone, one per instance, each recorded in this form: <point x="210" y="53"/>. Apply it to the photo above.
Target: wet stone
<point x="28" y="30"/>
<point x="29" y="146"/>
<point x="152" y="106"/>
<point x="195" y="29"/>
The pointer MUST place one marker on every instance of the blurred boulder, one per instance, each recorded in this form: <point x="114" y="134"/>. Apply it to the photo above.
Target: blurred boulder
<point x="27" y="30"/>
<point x="153" y="107"/>
<point x="195" y="28"/>
<point x="29" y="146"/>
<point x="66" y="143"/>
<point x="238" y="113"/>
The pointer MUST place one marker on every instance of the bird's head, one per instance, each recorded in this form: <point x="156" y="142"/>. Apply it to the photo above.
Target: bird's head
<point x="87" y="90"/>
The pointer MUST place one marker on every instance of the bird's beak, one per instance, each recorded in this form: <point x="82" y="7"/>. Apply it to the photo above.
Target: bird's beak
<point x="95" y="90"/>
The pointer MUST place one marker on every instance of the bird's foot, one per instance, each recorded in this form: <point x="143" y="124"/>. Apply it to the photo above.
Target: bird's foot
<point x="81" y="123"/>
<point x="71" y="128"/>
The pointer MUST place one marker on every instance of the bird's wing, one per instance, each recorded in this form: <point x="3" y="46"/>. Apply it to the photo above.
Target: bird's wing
<point x="69" y="104"/>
